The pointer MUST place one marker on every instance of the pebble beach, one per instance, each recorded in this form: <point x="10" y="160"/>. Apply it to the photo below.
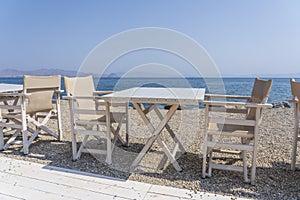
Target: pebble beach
<point x="274" y="179"/>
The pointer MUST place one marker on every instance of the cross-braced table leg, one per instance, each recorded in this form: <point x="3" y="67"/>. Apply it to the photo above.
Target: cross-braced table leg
<point x="156" y="134"/>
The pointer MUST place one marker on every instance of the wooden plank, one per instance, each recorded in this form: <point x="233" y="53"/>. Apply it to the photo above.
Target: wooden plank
<point x="242" y="122"/>
<point x="59" y="188"/>
<point x="90" y="132"/>
<point x="228" y="110"/>
<point x="27" y="192"/>
<point x="230" y="146"/>
<point x="89" y="112"/>
<point x="72" y="178"/>
<point x="227" y="167"/>
<point x="8" y="197"/>
<point x="233" y="134"/>
<point x="89" y="122"/>
<point x="227" y="96"/>
<point x="158" y="95"/>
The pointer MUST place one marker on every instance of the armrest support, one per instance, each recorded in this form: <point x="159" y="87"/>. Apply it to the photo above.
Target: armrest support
<point x="59" y="91"/>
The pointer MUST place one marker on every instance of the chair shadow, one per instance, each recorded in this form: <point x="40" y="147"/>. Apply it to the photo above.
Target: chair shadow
<point x="269" y="180"/>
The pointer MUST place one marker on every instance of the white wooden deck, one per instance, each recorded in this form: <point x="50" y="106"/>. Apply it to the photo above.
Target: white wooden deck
<point x="27" y="180"/>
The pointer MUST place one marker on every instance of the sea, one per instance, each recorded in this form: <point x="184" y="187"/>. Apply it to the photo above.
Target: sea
<point x="235" y="86"/>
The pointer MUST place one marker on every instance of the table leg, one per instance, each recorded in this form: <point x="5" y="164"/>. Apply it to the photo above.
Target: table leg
<point x="155" y="135"/>
<point x="171" y="132"/>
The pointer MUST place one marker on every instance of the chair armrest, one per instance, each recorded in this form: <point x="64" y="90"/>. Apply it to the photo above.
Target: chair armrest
<point x="78" y="97"/>
<point x="95" y="93"/>
<point x="223" y="103"/>
<point x="258" y="105"/>
<point x="293" y="101"/>
<point x="227" y="96"/>
<point x="245" y="104"/>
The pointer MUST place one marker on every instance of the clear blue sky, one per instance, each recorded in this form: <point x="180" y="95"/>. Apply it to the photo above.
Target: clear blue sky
<point x="243" y="37"/>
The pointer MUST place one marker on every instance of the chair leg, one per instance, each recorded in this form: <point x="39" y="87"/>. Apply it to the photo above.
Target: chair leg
<point x="244" y="157"/>
<point x="204" y="160"/>
<point x="74" y="144"/>
<point x="127" y="124"/>
<point x="245" y="169"/>
<point x="210" y="150"/>
<point x="59" y="124"/>
<point x="108" y="135"/>
<point x="253" y="167"/>
<point x="294" y="147"/>
<point x="1" y="139"/>
<point x="25" y="142"/>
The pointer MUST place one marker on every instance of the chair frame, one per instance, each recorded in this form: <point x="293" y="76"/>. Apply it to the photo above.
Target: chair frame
<point x="21" y="124"/>
<point x="106" y="120"/>
<point x="296" y="136"/>
<point x="249" y="140"/>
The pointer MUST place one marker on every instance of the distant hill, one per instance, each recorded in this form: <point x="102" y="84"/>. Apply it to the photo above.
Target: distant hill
<point x="46" y="72"/>
<point x="38" y="72"/>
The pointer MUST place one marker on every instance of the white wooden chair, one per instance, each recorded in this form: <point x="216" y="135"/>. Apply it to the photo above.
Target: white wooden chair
<point x="88" y="110"/>
<point x="233" y="127"/>
<point x="32" y="106"/>
<point x="295" y="88"/>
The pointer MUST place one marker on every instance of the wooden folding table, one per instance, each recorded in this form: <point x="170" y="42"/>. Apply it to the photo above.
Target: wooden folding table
<point x="153" y="96"/>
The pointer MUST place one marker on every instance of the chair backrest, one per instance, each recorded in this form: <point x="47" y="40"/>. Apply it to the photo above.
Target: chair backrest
<point x="41" y="89"/>
<point x="295" y="87"/>
<point x="81" y="86"/>
<point x="260" y="94"/>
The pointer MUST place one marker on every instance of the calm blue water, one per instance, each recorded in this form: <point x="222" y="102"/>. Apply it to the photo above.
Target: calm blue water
<point x="237" y="86"/>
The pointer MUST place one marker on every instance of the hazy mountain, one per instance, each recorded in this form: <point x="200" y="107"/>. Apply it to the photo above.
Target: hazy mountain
<point x="46" y="72"/>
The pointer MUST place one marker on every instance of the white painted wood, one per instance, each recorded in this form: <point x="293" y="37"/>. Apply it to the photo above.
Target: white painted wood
<point x="227" y="167"/>
<point x="242" y="122"/>
<point x="230" y="146"/>
<point x="10" y="87"/>
<point x="295" y="136"/>
<point x="227" y="96"/>
<point x="156" y="95"/>
<point x="26" y="192"/>
<point x="163" y="192"/>
<point x="8" y="197"/>
<point x="233" y="134"/>
<point x="90" y="132"/>
<point x="171" y="96"/>
<point x="28" y="180"/>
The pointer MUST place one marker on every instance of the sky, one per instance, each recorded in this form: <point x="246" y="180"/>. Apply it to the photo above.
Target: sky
<point x="243" y="38"/>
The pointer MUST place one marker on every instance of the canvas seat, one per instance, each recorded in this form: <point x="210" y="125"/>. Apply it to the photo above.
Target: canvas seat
<point x="233" y="128"/>
<point x="31" y="111"/>
<point x="91" y="116"/>
<point x="295" y="88"/>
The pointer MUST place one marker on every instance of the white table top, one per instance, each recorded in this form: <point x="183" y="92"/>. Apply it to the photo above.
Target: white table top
<point x="158" y="95"/>
<point x="4" y="87"/>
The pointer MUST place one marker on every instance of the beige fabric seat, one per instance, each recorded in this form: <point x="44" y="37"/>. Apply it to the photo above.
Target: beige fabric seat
<point x="295" y="88"/>
<point x="89" y="117"/>
<point x="233" y="128"/>
<point x="33" y="106"/>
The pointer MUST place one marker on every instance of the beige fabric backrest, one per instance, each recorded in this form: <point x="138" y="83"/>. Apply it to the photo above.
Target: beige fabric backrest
<point x="260" y="94"/>
<point x="295" y="87"/>
<point x="81" y="86"/>
<point x="41" y="89"/>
